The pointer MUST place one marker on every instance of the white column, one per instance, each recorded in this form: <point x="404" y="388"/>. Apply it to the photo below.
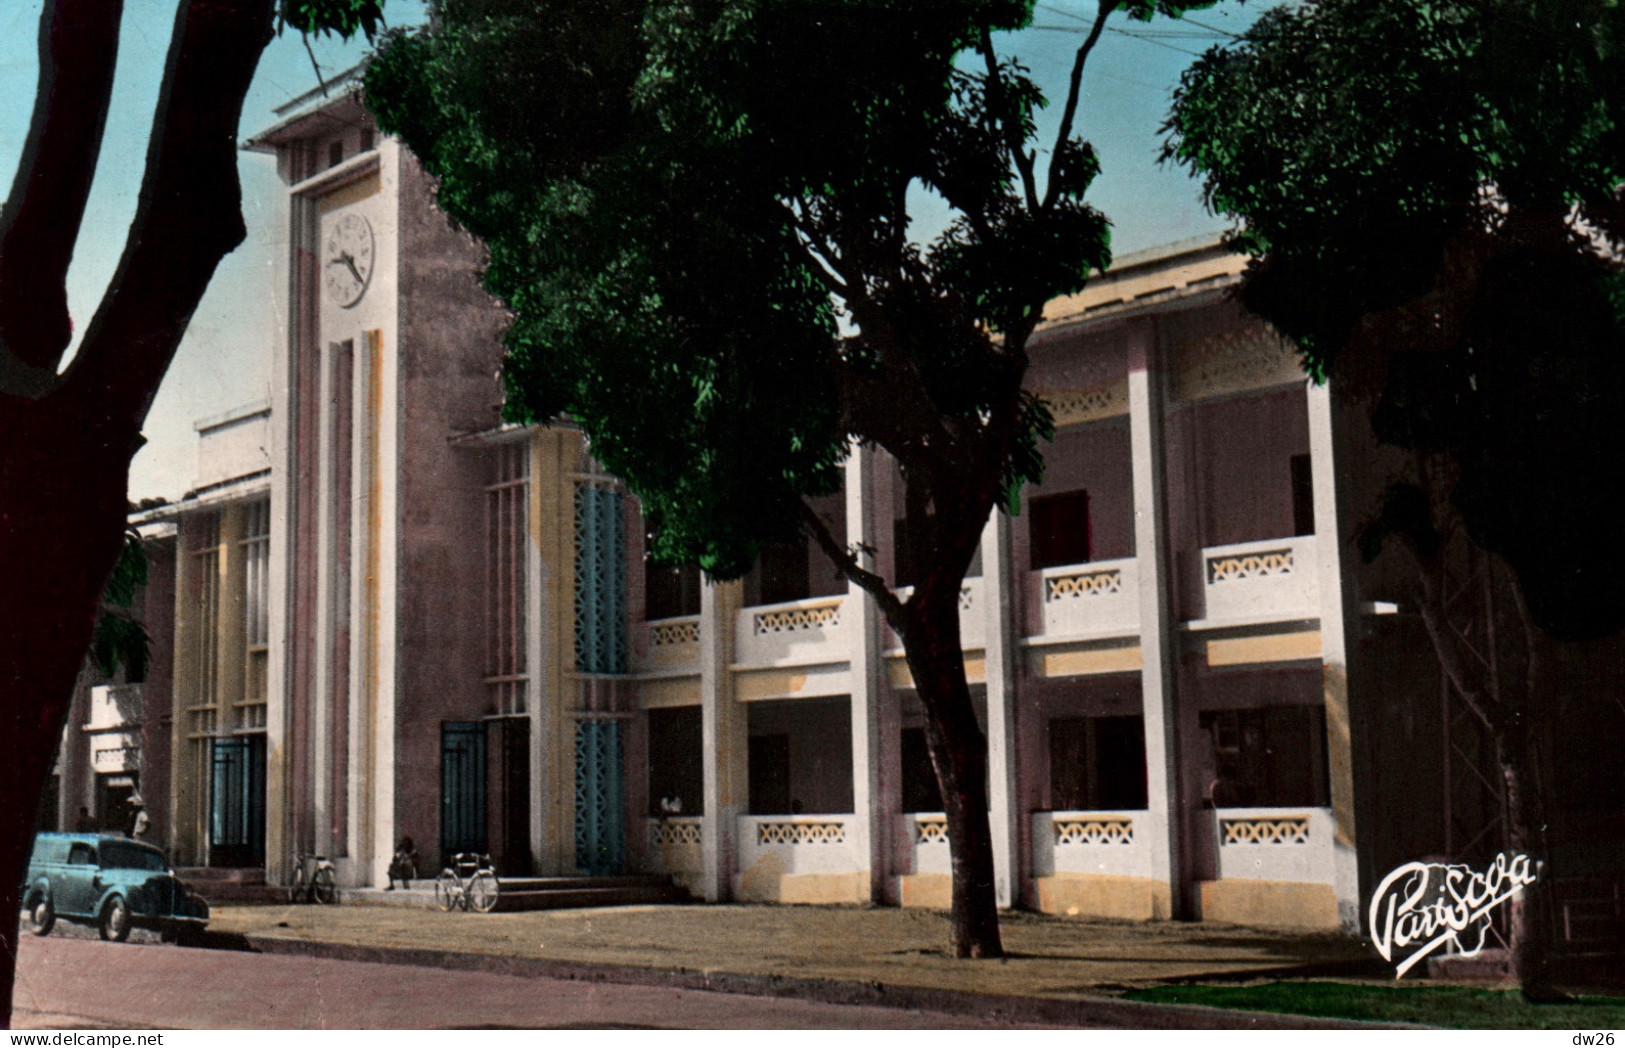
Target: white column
<point x="863" y="617"/>
<point x="724" y="738"/>
<point x="1339" y="610"/>
<point x="1158" y="694"/>
<point x="999" y="599"/>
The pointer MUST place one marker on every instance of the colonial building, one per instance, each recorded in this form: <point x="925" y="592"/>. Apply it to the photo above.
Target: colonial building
<point x="411" y="619"/>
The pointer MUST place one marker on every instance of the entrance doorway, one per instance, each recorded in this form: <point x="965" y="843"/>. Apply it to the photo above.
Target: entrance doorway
<point x="462" y="789"/>
<point x="508" y="743"/>
<point x="237" y="801"/>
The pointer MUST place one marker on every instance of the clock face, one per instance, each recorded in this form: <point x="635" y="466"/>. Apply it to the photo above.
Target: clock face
<point x="347" y="259"/>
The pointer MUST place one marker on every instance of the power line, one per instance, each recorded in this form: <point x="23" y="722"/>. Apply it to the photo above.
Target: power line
<point x="1129" y="34"/>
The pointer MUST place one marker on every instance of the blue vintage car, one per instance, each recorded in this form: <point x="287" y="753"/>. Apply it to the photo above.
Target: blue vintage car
<point x="114" y="883"/>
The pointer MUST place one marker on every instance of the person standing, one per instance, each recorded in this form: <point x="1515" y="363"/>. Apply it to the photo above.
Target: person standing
<point x="139" y="821"/>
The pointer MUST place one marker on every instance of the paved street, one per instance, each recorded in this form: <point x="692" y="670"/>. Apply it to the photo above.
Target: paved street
<point x="78" y="982"/>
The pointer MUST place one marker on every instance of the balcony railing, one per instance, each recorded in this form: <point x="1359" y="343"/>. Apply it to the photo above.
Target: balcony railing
<point x="1109" y="843"/>
<point x="799" y="632"/>
<point x="927" y="837"/>
<point x="802" y="843"/>
<point x="663" y="644"/>
<point x="674" y="843"/>
<point x="1261" y="581"/>
<point x="1102" y="598"/>
<point x="972" y="614"/>
<point x="1276" y="844"/>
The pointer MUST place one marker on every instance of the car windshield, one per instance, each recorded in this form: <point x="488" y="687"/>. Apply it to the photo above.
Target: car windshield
<point x="116" y="856"/>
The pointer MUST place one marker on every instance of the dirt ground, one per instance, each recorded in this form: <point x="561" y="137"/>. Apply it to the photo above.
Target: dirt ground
<point x="1047" y="956"/>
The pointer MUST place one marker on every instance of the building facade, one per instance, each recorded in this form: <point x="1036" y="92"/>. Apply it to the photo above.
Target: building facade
<point x="413" y="620"/>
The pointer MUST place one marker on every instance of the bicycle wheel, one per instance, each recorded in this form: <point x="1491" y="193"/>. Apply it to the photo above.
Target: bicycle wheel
<point x="447" y="890"/>
<point x="323" y="888"/>
<point x="483" y="891"/>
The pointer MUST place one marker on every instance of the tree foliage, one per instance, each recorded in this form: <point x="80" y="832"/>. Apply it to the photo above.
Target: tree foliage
<point x="120" y="639"/>
<point x="1430" y="191"/>
<point x="699" y="213"/>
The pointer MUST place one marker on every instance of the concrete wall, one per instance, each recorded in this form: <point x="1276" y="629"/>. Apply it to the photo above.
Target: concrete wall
<point x="449" y="350"/>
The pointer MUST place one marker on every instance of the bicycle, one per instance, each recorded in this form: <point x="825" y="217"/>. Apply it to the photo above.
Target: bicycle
<point x="314" y="880"/>
<point x="469" y="882"/>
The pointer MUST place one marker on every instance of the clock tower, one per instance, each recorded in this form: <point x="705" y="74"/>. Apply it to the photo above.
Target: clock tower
<point x="390" y="351"/>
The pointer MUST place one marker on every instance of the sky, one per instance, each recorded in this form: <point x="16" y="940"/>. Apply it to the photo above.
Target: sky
<point x="224" y="359"/>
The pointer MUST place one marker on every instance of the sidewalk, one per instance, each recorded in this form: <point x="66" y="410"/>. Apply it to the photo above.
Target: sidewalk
<point x="1057" y="970"/>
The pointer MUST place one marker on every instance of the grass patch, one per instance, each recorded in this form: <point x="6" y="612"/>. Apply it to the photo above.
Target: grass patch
<point x="1460" y="1007"/>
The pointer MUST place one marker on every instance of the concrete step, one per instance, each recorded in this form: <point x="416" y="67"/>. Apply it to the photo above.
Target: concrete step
<point x="220" y="884"/>
<point x="531" y="884"/>
<point x="533" y="893"/>
<point x="237" y="893"/>
<point x="577" y="898"/>
<point x="237" y="874"/>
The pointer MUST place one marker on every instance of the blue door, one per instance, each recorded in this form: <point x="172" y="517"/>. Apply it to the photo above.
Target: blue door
<point x="462" y="788"/>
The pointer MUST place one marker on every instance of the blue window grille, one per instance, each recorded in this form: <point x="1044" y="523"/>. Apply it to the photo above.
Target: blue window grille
<point x="237" y="800"/>
<point x="600" y="798"/>
<point x="600" y="595"/>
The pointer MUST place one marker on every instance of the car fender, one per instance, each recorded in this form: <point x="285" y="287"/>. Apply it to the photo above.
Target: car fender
<point x="40" y="888"/>
<point x="121" y="890"/>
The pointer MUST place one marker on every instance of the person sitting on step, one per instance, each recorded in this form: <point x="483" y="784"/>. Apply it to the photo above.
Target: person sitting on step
<point x="405" y="864"/>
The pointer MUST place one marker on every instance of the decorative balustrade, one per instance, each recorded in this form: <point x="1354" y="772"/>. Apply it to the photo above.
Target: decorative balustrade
<point x="800" y="833"/>
<point x="930" y="829"/>
<point x="1090" y="599"/>
<point x="1276" y="844"/>
<point x="674" y="844"/>
<point x="926" y="834"/>
<point x="795" y="620"/>
<point x="674" y="632"/>
<point x="1092" y="829"/>
<point x="801" y="843"/>
<point x="803" y="631"/>
<point x="1099" y="842"/>
<point x="972" y="614"/>
<point x="675" y="832"/>
<point x="1287" y="831"/>
<point x="1261" y="581"/>
<point x="666" y="643"/>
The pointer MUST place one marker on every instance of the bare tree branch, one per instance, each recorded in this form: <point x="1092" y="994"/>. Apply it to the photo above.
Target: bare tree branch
<point x="1073" y="90"/>
<point x="846" y="562"/>
<point x="1012" y="134"/>
<point x="78" y="50"/>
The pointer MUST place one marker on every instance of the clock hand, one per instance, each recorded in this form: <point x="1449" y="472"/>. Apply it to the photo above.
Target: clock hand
<point x="348" y="260"/>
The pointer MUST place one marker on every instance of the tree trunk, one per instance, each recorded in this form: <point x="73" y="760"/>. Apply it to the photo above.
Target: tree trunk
<point x="1531" y="913"/>
<point x="62" y="513"/>
<point x="958" y="749"/>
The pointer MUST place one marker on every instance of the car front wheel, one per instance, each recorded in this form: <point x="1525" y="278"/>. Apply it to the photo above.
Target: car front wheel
<point x="116" y="920"/>
<point x="41" y="917"/>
